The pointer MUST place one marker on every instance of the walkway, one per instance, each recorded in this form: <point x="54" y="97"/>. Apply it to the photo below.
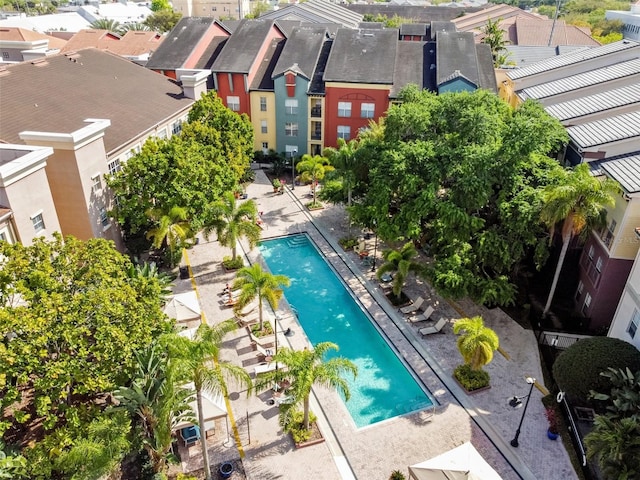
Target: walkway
<point x="374" y="452"/>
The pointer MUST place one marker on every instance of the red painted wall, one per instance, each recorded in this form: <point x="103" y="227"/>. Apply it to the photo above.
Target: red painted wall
<point x="239" y="90"/>
<point x="167" y="73"/>
<point x="357" y="96"/>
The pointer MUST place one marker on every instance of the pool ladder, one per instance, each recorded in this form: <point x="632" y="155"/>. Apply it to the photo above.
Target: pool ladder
<point x="297" y="241"/>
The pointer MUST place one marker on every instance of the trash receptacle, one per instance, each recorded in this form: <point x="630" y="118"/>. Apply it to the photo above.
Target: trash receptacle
<point x="184" y="272"/>
<point x="226" y="469"/>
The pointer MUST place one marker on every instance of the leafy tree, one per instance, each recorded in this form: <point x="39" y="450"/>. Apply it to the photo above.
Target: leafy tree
<point x="253" y="283"/>
<point x="402" y="263"/>
<point x="159" y="5"/>
<point x="258" y="9"/>
<point x="624" y="398"/>
<point x="462" y="175"/>
<point x="494" y="37"/>
<point x="476" y="343"/>
<point x="107" y="24"/>
<point x="74" y="319"/>
<point x="615" y="444"/>
<point x="306" y="368"/>
<point x="578" y="200"/>
<point x="147" y="273"/>
<point x="199" y="361"/>
<point x="155" y="402"/>
<point x="172" y="230"/>
<point x="313" y="169"/>
<point x="577" y="369"/>
<point x="163" y="20"/>
<point x="231" y="221"/>
<point x="12" y="465"/>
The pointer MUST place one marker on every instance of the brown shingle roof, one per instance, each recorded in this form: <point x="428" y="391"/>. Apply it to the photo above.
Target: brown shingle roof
<point x="58" y="93"/>
<point x="17" y="34"/>
<point x="537" y="32"/>
<point x="132" y="43"/>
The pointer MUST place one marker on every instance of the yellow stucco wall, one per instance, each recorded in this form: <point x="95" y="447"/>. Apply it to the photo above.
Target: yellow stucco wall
<point x="257" y="116"/>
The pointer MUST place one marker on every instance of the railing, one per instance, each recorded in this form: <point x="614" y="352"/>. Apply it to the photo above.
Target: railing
<point x="559" y="340"/>
<point x="316" y="136"/>
<point x="573" y="429"/>
<point x="316" y="112"/>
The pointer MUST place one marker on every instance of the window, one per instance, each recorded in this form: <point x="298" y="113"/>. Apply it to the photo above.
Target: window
<point x="367" y="110"/>
<point x="586" y="304"/>
<point x="633" y="324"/>
<point x="104" y="218"/>
<point x="162" y="134"/>
<point x="599" y="265"/>
<point x="263" y="104"/>
<point x="38" y="222"/>
<point x="263" y="126"/>
<point x="291" y="129"/>
<point x="265" y="147"/>
<point x="3" y="237"/>
<point x="344" y="109"/>
<point x="591" y="252"/>
<point x="291" y="150"/>
<point x="114" y="166"/>
<point x="96" y="182"/>
<point x="233" y="103"/>
<point x="5" y="55"/>
<point x="344" y="132"/>
<point x="176" y="128"/>
<point x="291" y="106"/>
<point x="579" y="290"/>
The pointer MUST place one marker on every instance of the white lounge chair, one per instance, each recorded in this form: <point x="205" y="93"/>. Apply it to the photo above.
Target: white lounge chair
<point x="360" y="247"/>
<point x="414" y="307"/>
<point x="265" y="352"/>
<point x="422" y="317"/>
<point x="265" y="367"/>
<point x="280" y="399"/>
<point x="437" y="328"/>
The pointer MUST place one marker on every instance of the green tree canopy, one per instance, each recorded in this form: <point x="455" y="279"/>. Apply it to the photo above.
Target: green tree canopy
<point x="476" y="342"/>
<point x="401" y="262"/>
<point x="72" y="320"/>
<point x="163" y="20"/>
<point x="462" y="175"/>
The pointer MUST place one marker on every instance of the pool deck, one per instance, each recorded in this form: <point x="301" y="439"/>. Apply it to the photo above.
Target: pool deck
<point x="372" y="453"/>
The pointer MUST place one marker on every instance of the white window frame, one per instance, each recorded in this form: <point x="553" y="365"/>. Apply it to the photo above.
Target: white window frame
<point x="265" y="147"/>
<point x="599" y="265"/>
<point x="579" y="290"/>
<point x="367" y="110"/>
<point x="344" y="109"/>
<point x="586" y="304"/>
<point x="291" y="129"/>
<point x="114" y="166"/>
<point x="634" y="323"/>
<point x="344" y="132"/>
<point x="233" y="103"/>
<point x="162" y="134"/>
<point x="37" y="219"/>
<point x="291" y="106"/>
<point x="591" y="252"/>
<point x="291" y="150"/>
<point x="104" y="218"/>
<point x="176" y="127"/>
<point x="263" y="126"/>
<point x="263" y="104"/>
<point x="96" y="182"/>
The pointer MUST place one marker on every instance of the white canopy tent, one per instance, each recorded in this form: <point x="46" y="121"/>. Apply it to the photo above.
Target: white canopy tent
<point x="213" y="406"/>
<point x="461" y="463"/>
<point x="184" y="307"/>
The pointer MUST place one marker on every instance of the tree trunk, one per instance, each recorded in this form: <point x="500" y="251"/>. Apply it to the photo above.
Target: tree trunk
<point x="203" y="436"/>
<point x="306" y="412"/>
<point x="566" y="238"/>
<point x="260" y="311"/>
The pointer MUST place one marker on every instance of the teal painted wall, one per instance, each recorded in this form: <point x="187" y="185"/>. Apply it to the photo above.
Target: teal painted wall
<point x="282" y="117"/>
<point x="457" y="85"/>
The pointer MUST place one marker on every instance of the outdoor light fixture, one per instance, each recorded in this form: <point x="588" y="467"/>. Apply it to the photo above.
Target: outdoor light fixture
<point x="294" y="152"/>
<point x="516" y="402"/>
<point x="375" y="248"/>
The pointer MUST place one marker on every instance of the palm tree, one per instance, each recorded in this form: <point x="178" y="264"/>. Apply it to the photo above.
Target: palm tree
<point x="401" y="262"/>
<point x="306" y="368"/>
<point x="615" y="444"/>
<point x="254" y="282"/>
<point x="231" y="221"/>
<point x="137" y="27"/>
<point x="578" y="201"/>
<point x="107" y="24"/>
<point x="345" y="161"/>
<point x="199" y="360"/>
<point x="173" y="229"/>
<point x="477" y="342"/>
<point x="147" y="273"/>
<point x="313" y="170"/>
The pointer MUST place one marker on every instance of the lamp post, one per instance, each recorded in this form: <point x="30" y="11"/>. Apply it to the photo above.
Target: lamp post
<point x="516" y="402"/>
<point x="375" y="248"/>
<point x="294" y="152"/>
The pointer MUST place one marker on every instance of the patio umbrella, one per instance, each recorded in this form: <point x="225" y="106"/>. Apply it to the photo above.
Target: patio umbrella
<point x="183" y="307"/>
<point x="461" y="463"/>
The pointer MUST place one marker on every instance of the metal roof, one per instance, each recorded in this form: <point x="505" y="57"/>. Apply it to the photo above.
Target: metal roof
<point x="625" y="170"/>
<point x="599" y="102"/>
<point x="572" y="58"/>
<point x="317" y="11"/>
<point x="607" y="130"/>
<point x="581" y="80"/>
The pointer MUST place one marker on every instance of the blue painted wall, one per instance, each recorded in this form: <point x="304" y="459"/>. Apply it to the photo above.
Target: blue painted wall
<point x="282" y="117"/>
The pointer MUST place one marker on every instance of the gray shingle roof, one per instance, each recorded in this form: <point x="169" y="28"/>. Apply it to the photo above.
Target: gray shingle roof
<point x="625" y="170"/>
<point x="486" y="72"/>
<point x="264" y="76"/>
<point x="421" y="14"/>
<point x="599" y="102"/>
<point x="456" y="57"/>
<point x="180" y="43"/>
<point x="362" y="56"/>
<point x="420" y="29"/>
<point x="97" y="85"/>
<point x="410" y="66"/>
<point x="241" y="50"/>
<point x="302" y="49"/>
<point x="572" y="58"/>
<point x="581" y="80"/>
<point x="605" y="131"/>
<point x="317" y="83"/>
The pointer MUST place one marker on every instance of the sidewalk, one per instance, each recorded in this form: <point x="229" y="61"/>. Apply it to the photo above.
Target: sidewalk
<point x="374" y="452"/>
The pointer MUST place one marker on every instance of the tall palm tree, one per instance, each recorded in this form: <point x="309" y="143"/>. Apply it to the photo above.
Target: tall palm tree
<point x="232" y="221"/>
<point x="313" y="169"/>
<point x="401" y="262"/>
<point x="254" y="282"/>
<point x="107" y="24"/>
<point x="306" y="368"/>
<point x="615" y="444"/>
<point x="579" y="201"/>
<point x="199" y="361"/>
<point x="345" y="161"/>
<point x="477" y="342"/>
<point x="172" y="229"/>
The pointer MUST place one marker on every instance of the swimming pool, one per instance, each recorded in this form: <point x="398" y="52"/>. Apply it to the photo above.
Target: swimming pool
<point x="384" y="388"/>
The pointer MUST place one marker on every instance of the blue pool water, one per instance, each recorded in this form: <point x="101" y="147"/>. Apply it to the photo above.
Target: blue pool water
<point x="384" y="388"/>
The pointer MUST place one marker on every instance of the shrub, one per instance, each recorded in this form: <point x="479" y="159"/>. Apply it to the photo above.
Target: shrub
<point x="348" y="242"/>
<point x="231" y="264"/>
<point x="471" y="379"/>
<point x="577" y="369"/>
<point x="552" y="418"/>
<point x="397" y="475"/>
<point x="267" y="329"/>
<point x="293" y="423"/>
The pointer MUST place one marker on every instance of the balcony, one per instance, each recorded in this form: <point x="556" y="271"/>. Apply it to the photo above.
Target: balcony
<point x="316" y="112"/>
<point x="317" y="135"/>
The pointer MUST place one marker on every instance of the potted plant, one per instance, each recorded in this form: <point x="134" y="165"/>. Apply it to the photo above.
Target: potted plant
<point x="552" y="418"/>
<point x="277" y="185"/>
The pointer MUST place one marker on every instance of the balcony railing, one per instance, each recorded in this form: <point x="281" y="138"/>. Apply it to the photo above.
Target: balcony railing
<point x="316" y="112"/>
<point x="316" y="135"/>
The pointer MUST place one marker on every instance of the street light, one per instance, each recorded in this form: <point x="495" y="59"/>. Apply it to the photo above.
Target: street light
<point x="516" y="402"/>
<point x="375" y="248"/>
<point x="294" y="152"/>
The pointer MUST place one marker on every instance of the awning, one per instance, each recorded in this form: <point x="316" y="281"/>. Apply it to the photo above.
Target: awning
<point x="461" y="463"/>
<point x="183" y="307"/>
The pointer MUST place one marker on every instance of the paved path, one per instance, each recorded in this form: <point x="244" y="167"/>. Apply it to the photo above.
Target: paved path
<point x="373" y="452"/>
